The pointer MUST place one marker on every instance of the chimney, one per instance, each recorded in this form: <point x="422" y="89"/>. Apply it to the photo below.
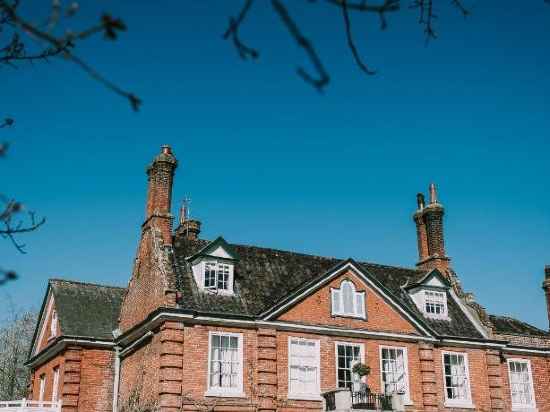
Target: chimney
<point x="188" y="228"/>
<point x="546" y="287"/>
<point x="421" y="228"/>
<point x="159" y="193"/>
<point x="429" y="229"/>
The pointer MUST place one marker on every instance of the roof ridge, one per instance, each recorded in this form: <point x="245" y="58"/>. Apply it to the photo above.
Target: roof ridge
<point x="313" y="255"/>
<point x="84" y="283"/>
<point x="393" y="266"/>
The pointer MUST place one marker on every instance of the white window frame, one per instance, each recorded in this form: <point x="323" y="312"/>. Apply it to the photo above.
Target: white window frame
<point x="199" y="269"/>
<point x="42" y="387"/>
<point x="55" y="387"/>
<point x="305" y="396"/>
<point x="522" y="407"/>
<point x="461" y="403"/>
<point x="53" y="324"/>
<point x="236" y="392"/>
<point x="354" y="344"/>
<point x="407" y="398"/>
<point x="337" y="294"/>
<point x="443" y="301"/>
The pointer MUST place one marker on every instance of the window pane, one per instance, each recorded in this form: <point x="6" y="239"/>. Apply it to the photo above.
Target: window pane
<point x="348" y="298"/>
<point x="303" y="368"/>
<point x="224" y="362"/>
<point x="348" y="356"/>
<point x="456" y="379"/>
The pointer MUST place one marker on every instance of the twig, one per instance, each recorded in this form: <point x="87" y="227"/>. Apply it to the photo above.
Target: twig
<point x="233" y="32"/>
<point x="351" y="44"/>
<point x="323" y="78"/>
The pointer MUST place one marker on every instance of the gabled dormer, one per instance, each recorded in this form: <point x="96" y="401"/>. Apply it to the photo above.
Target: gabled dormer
<point x="214" y="267"/>
<point x="430" y="295"/>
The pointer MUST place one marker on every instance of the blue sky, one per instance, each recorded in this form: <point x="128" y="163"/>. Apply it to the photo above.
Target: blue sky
<point x="269" y="161"/>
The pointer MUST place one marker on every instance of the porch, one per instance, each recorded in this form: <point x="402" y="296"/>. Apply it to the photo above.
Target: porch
<point x="345" y="400"/>
<point x="25" y="405"/>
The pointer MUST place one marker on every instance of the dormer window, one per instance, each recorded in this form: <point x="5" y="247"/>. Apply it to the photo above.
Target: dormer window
<point x="435" y="303"/>
<point x="346" y="301"/>
<point x="214" y="267"/>
<point x="217" y="275"/>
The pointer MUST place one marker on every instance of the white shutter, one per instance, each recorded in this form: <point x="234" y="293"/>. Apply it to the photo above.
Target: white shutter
<point x="336" y="301"/>
<point x="360" y="304"/>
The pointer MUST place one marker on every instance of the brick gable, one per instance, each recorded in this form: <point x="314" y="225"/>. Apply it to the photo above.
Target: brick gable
<point x="380" y="315"/>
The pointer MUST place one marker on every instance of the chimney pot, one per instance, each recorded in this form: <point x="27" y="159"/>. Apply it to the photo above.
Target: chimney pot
<point x="166" y="149"/>
<point x="433" y="193"/>
<point x="547" y="271"/>
<point x="420" y="201"/>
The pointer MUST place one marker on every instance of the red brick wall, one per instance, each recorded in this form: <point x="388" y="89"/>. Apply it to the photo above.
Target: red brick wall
<point x="154" y="369"/>
<point x="85" y="379"/>
<point x="149" y="287"/>
<point x="96" y="380"/>
<point x="47" y="370"/>
<point x="316" y="310"/>
<point x="139" y="371"/>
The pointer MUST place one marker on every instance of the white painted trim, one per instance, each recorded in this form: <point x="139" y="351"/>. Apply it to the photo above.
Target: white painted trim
<point x="397" y="306"/>
<point x="480" y="328"/>
<point x="407" y="397"/>
<point x="474" y="344"/>
<point x="305" y="396"/>
<point x="55" y="384"/>
<point x="342" y="343"/>
<point x="44" y="321"/>
<point x="527" y="351"/>
<point x="449" y="402"/>
<point x="516" y="407"/>
<point x="225" y="392"/>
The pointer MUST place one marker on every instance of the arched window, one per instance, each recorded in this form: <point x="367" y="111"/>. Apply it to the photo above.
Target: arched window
<point x="346" y="301"/>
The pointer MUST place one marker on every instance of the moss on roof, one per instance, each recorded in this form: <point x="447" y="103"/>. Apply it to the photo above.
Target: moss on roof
<point x="87" y="310"/>
<point x="510" y="326"/>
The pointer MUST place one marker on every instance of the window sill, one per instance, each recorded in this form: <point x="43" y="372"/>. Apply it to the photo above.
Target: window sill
<point x="304" y="397"/>
<point x="523" y="408"/>
<point x="224" y="394"/>
<point x="343" y="315"/>
<point x="460" y="405"/>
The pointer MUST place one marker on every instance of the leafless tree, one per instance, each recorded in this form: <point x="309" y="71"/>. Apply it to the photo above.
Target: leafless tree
<point x="15" y="340"/>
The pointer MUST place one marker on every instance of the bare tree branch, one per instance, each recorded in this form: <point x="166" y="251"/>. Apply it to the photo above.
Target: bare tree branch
<point x="322" y="80"/>
<point x="233" y="33"/>
<point x="351" y="44"/>
<point x="63" y="46"/>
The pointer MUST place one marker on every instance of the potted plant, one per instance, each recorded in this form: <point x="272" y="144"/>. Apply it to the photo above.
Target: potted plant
<point x="361" y="370"/>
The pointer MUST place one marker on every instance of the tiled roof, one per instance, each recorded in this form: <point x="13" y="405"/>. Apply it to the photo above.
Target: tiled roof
<point x="264" y="277"/>
<point x="510" y="326"/>
<point x="87" y="310"/>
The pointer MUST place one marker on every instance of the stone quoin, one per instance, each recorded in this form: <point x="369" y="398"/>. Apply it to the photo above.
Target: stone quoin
<point x="210" y="324"/>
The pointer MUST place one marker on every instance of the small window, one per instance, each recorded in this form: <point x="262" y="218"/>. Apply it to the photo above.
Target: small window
<point x="346" y="301"/>
<point x="303" y="369"/>
<point x="55" y="389"/>
<point x="457" y="381"/>
<point x="217" y="276"/>
<point x="347" y="355"/>
<point x="435" y="304"/>
<point x="394" y="371"/>
<point x="521" y="384"/>
<point x="225" y="371"/>
<point x="42" y="388"/>
<point x="53" y="324"/>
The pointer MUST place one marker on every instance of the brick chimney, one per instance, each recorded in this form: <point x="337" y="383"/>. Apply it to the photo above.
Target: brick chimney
<point x="429" y="230"/>
<point x="188" y="228"/>
<point x="159" y="193"/>
<point x="546" y="287"/>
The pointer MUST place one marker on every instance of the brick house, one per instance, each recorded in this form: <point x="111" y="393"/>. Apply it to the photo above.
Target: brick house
<point x="209" y="324"/>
